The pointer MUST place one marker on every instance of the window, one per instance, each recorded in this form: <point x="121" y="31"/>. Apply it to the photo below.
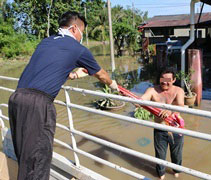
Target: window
<point x="199" y="34"/>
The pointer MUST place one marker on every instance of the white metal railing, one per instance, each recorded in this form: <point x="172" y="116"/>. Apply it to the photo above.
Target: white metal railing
<point x="143" y="102"/>
<point x="73" y="132"/>
<point x="137" y="121"/>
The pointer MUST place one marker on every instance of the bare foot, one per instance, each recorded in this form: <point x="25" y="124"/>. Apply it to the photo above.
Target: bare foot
<point x="162" y="177"/>
<point x="176" y="175"/>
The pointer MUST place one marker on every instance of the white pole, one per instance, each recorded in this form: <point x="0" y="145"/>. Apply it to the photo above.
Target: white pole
<point x="133" y="14"/>
<point x="71" y="127"/>
<point x="111" y="37"/>
<point x="192" y="37"/>
<point x="1" y="125"/>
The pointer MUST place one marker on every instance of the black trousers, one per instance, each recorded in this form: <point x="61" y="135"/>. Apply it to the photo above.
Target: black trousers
<point x="32" y="120"/>
<point x="161" y="141"/>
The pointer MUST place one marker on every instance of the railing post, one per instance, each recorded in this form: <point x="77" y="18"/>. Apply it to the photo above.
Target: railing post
<point x="71" y="127"/>
<point x="1" y="125"/>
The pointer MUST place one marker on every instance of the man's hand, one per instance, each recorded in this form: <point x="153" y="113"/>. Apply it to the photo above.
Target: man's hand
<point x="114" y="85"/>
<point x="72" y="76"/>
<point x="164" y="114"/>
<point x="81" y="72"/>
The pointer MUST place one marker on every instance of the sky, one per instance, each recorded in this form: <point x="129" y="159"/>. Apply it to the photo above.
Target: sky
<point x="161" y="7"/>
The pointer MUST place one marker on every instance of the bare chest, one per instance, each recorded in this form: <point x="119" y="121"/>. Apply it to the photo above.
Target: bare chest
<point x="163" y="97"/>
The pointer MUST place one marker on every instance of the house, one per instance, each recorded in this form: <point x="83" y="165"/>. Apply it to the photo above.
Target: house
<point x="176" y="44"/>
<point x="174" y="30"/>
<point x="159" y="28"/>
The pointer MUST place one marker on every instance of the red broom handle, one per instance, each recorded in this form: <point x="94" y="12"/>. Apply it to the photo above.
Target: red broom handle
<point x="156" y="111"/>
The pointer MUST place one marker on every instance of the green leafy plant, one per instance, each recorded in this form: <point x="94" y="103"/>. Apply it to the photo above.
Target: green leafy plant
<point x="141" y="113"/>
<point x="107" y="89"/>
<point x="105" y="102"/>
<point x="152" y="51"/>
<point x="186" y="78"/>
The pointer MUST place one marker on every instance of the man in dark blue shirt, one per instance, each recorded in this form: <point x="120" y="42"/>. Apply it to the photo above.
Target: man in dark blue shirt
<point x="31" y="110"/>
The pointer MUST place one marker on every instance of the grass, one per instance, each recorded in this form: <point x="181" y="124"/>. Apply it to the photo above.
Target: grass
<point x="9" y="64"/>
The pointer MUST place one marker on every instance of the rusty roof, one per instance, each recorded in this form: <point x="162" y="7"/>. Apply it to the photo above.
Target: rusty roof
<point x="175" y="20"/>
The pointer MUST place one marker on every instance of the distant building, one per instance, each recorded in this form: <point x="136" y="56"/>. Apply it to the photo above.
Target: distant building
<point x="160" y="28"/>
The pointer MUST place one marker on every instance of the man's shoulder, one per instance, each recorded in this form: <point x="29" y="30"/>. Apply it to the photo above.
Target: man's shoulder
<point x="86" y="51"/>
<point x="152" y="89"/>
<point x="63" y="39"/>
<point x="178" y="89"/>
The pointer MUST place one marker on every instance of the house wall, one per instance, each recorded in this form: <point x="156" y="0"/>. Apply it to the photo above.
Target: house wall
<point x="179" y="32"/>
<point x="155" y="40"/>
<point x="149" y="33"/>
<point x="184" y="32"/>
<point x="199" y="41"/>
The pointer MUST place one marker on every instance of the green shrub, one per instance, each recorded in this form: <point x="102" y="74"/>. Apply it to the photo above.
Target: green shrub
<point x="13" y="44"/>
<point x="141" y="113"/>
<point x="152" y="49"/>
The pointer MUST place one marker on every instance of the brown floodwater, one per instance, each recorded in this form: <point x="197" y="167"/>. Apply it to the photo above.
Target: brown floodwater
<point x="196" y="153"/>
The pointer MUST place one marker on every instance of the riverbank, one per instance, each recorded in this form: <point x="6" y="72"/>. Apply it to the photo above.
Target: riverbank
<point x="93" y="43"/>
<point x="24" y="59"/>
<point x="14" y="63"/>
<point x="7" y="65"/>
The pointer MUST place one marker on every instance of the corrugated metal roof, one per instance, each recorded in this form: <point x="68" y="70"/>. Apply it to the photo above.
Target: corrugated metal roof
<point x="175" y="20"/>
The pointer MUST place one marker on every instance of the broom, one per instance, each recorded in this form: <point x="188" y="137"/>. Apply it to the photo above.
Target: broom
<point x="174" y="120"/>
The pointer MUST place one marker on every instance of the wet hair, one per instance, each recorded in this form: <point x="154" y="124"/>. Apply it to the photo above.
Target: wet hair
<point x="69" y="17"/>
<point x="165" y="71"/>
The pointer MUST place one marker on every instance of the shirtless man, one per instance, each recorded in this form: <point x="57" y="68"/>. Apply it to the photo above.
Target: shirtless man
<point x="167" y="93"/>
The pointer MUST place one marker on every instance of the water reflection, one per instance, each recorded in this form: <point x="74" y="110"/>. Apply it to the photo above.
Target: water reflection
<point x="141" y="87"/>
<point x="206" y="94"/>
<point x="102" y="152"/>
<point x="128" y="78"/>
<point x="100" y="50"/>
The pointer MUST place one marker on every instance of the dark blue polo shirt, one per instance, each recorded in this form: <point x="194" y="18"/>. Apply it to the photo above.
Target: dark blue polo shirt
<point x="54" y="58"/>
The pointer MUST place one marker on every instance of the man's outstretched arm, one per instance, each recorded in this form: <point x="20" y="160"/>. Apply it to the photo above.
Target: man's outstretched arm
<point x="147" y="95"/>
<point x="104" y="77"/>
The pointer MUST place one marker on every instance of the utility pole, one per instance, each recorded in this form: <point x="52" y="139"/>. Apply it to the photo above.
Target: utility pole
<point x="111" y="37"/>
<point x="49" y="13"/>
<point x="133" y="14"/>
<point x="87" y="41"/>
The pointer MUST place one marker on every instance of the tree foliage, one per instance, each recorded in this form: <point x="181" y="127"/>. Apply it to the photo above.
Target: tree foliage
<point x="32" y="15"/>
<point x="14" y="44"/>
<point x="39" y="18"/>
<point x="125" y="28"/>
<point x="97" y="18"/>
